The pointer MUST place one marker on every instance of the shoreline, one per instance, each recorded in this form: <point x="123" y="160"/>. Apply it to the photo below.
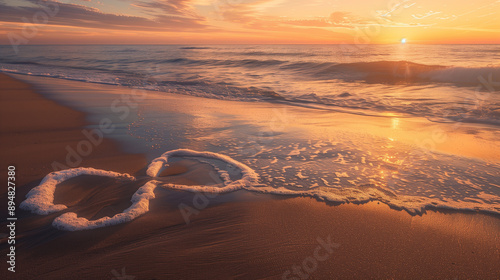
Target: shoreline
<point x="460" y="140"/>
<point x="249" y="235"/>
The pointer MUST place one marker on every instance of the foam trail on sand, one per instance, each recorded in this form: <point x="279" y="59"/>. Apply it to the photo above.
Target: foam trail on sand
<point x="40" y="200"/>
<point x="248" y="179"/>
<point x="231" y="175"/>
<point x="414" y="205"/>
<point x="140" y="205"/>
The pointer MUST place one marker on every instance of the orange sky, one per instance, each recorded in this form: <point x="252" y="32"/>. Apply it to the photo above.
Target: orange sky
<point x="248" y="21"/>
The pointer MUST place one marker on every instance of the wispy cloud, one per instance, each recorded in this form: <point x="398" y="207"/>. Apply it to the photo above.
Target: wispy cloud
<point x="89" y="17"/>
<point x="336" y="19"/>
<point x="167" y="7"/>
<point x="426" y="15"/>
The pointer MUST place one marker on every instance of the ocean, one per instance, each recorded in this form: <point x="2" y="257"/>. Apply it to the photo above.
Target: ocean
<point x="438" y="82"/>
<point x="311" y="153"/>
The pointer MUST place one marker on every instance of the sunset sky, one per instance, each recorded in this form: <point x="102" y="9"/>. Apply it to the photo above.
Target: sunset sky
<point x="249" y="21"/>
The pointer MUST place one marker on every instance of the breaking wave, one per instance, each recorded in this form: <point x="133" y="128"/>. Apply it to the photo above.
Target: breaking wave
<point x="382" y="72"/>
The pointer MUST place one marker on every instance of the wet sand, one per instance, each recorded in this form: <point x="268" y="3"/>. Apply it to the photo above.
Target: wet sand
<point x="238" y="235"/>
<point x="36" y="132"/>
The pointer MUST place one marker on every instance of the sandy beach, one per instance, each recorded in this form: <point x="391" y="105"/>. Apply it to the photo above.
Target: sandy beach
<point x="238" y="235"/>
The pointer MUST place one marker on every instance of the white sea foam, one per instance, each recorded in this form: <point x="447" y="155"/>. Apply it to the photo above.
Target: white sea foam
<point x="140" y="205"/>
<point x="249" y="177"/>
<point x="412" y="204"/>
<point x="40" y="200"/>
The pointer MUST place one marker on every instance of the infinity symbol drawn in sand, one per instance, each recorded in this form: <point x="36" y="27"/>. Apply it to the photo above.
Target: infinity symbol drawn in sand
<point x="40" y="199"/>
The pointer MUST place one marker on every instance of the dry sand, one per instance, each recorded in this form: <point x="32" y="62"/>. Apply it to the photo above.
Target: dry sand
<point x="239" y="235"/>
